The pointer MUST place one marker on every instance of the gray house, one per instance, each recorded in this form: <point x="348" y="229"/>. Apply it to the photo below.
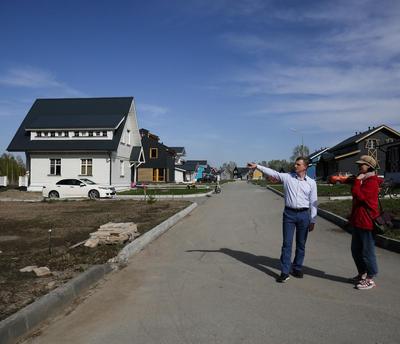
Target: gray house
<point x="341" y="157"/>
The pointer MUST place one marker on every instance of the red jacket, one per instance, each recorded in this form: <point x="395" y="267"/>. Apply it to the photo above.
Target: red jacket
<point x="365" y="202"/>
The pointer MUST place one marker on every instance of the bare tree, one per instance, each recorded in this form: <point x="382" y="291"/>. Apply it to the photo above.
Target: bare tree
<point x="280" y="165"/>
<point x="300" y="150"/>
<point x="229" y="167"/>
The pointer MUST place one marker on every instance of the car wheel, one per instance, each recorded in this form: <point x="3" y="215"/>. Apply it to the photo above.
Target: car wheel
<point x="54" y="194"/>
<point x="93" y="194"/>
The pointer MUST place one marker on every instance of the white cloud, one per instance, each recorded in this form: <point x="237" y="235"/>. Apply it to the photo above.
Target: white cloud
<point x="34" y="78"/>
<point x="154" y="111"/>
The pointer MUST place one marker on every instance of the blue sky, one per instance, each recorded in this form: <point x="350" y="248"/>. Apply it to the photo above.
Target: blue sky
<point x="228" y="80"/>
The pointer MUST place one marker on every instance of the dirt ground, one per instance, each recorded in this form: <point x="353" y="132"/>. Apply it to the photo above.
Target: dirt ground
<point x="24" y="241"/>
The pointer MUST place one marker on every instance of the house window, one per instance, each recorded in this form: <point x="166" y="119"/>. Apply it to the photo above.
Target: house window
<point x="38" y="134"/>
<point x="90" y="133"/>
<point x="389" y="140"/>
<point x="86" y="167"/>
<point x="53" y="134"/>
<point x="128" y="135"/>
<point x="371" y="143"/>
<point x="105" y="133"/>
<point x="158" y="175"/>
<point x="122" y="164"/>
<point x="55" y="167"/>
<point x="98" y="133"/>
<point x="153" y="153"/>
<point x="76" y="133"/>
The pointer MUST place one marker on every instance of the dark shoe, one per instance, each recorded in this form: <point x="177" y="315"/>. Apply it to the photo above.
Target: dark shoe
<point x="357" y="279"/>
<point x="282" y="278"/>
<point x="297" y="273"/>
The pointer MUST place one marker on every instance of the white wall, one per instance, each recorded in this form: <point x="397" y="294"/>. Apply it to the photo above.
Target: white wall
<point x="179" y="176"/>
<point x="3" y="181"/>
<point x="70" y="168"/>
<point x="124" y="150"/>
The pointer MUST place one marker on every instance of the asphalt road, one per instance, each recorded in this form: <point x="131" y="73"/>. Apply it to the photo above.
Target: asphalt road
<point x="211" y="279"/>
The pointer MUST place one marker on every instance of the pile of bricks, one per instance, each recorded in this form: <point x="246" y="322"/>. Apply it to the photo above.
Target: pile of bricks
<point x="113" y="233"/>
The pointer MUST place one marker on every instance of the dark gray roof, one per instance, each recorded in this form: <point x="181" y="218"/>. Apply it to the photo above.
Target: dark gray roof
<point x="178" y="150"/>
<point x="190" y="165"/>
<point x="135" y="154"/>
<point x="353" y="139"/>
<point x="72" y="113"/>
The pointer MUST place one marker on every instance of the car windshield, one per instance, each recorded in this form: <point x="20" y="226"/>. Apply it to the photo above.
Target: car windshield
<point x="87" y="181"/>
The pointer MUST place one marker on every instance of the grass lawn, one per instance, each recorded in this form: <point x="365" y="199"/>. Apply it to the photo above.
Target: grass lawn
<point x="153" y="192"/>
<point x="343" y="209"/>
<point x="323" y="189"/>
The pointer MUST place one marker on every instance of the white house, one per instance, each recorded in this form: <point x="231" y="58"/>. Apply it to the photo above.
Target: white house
<point x="180" y="173"/>
<point x="95" y="138"/>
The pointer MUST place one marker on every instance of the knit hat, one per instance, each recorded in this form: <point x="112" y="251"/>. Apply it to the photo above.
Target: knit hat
<point x="367" y="160"/>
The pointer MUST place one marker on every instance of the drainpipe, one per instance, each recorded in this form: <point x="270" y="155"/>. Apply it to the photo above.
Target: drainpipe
<point x="109" y="154"/>
<point x="28" y="167"/>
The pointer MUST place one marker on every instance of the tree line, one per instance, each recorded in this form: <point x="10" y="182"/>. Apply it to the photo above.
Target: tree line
<point x="282" y="165"/>
<point x="12" y="167"/>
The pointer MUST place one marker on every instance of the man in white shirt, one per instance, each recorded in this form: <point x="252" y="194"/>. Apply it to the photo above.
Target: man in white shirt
<point x="300" y="213"/>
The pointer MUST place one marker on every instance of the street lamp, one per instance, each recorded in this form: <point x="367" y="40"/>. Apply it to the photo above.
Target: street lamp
<point x="302" y="143"/>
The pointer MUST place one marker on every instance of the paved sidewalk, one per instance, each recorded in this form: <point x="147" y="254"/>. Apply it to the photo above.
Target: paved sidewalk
<point x="211" y="279"/>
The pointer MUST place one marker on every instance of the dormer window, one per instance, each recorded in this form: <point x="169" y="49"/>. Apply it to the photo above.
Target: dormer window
<point x="153" y="153"/>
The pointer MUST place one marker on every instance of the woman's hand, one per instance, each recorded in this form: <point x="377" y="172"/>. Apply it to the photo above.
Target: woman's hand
<point x="361" y="176"/>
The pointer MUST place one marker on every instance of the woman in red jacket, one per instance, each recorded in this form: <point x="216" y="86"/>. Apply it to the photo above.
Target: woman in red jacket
<point x="365" y="208"/>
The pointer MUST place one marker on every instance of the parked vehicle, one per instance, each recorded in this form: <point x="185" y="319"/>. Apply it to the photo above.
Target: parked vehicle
<point x="208" y="178"/>
<point x="82" y="187"/>
<point x="339" y="177"/>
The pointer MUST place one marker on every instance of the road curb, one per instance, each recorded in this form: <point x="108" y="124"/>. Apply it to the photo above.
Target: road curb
<point x="381" y="241"/>
<point x="51" y="304"/>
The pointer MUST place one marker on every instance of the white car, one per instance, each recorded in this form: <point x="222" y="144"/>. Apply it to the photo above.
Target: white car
<point x="83" y="187"/>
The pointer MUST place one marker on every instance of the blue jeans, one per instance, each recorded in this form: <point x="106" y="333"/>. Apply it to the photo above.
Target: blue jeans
<point x="363" y="251"/>
<point x="299" y="222"/>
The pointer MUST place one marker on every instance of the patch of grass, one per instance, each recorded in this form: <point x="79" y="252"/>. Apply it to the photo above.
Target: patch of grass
<point x="153" y="192"/>
<point x="343" y="209"/>
<point x="323" y="189"/>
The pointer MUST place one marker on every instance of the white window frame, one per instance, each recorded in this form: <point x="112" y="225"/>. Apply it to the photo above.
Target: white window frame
<point x="122" y="168"/>
<point x="54" y="163"/>
<point x="128" y="134"/>
<point x="85" y="164"/>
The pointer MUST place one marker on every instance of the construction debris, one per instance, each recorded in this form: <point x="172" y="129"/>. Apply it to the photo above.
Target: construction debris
<point x="113" y="233"/>
<point x="28" y="268"/>
<point x="92" y="242"/>
<point x="42" y="271"/>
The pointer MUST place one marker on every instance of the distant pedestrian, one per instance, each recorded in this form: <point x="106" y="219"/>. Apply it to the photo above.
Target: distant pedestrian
<point x="365" y="208"/>
<point x="300" y="213"/>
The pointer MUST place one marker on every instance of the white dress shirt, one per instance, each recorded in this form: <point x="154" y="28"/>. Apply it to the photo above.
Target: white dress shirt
<point x="298" y="193"/>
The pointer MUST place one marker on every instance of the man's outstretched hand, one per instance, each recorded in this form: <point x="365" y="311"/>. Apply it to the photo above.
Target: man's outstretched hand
<point x="252" y="165"/>
<point x="311" y="227"/>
